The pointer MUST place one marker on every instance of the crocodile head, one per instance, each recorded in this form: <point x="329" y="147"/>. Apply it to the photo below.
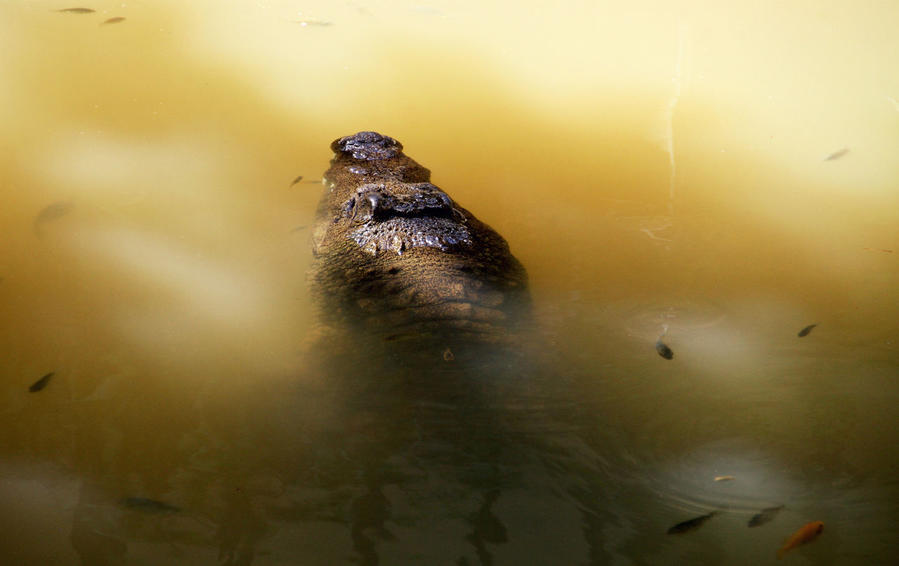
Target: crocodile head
<point x="397" y="255"/>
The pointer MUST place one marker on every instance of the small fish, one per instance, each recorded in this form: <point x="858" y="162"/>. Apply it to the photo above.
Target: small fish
<point x="49" y="213"/>
<point x="765" y="516"/>
<point x="837" y="154"/>
<point x="663" y="348"/>
<point x="41" y="383"/>
<point x="76" y="11"/>
<point x="114" y="20"/>
<point x="300" y="227"/>
<point x="692" y="524"/>
<point x="297" y="180"/>
<point x="149" y="505"/>
<point x="805" y="331"/>
<point x="807" y="533"/>
<point x="724" y="478"/>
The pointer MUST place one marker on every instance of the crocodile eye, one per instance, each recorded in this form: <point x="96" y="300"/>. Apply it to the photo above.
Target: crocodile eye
<point x="348" y="208"/>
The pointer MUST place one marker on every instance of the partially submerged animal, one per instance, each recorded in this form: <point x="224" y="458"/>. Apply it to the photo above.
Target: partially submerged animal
<point x="429" y="380"/>
<point x="398" y="260"/>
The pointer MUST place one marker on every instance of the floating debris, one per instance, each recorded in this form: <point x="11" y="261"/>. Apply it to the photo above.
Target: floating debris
<point x="807" y="533"/>
<point x="41" y="383"/>
<point x="878" y="250"/>
<point x="114" y="20"/>
<point x="314" y="23"/>
<point x="76" y="11"/>
<point x="663" y="348"/>
<point x="765" y="516"/>
<point x="448" y="355"/>
<point x="724" y="478"/>
<point x="805" y="331"/>
<point x="297" y="180"/>
<point x="837" y="154"/>
<point x="149" y="505"/>
<point x="49" y="213"/>
<point x="690" y="525"/>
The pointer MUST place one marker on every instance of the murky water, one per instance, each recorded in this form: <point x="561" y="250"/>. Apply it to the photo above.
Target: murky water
<point x="654" y="167"/>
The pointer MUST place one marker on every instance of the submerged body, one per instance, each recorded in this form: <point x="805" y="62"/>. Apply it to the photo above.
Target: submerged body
<point x="449" y="428"/>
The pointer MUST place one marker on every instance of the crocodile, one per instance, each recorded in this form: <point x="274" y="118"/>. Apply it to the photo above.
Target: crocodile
<point x="398" y="260"/>
<point x="430" y="390"/>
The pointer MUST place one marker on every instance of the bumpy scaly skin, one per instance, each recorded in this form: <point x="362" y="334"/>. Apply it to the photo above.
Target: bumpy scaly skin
<point x="397" y="258"/>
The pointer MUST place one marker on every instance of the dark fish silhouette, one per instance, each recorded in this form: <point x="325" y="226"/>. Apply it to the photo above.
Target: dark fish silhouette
<point x="114" y="20"/>
<point x="149" y="505"/>
<point x="805" y="331"/>
<point x="41" y="383"/>
<point x="663" y="348"/>
<point x="297" y="180"/>
<point x="837" y="154"/>
<point x="49" y="213"/>
<point x="690" y="525"/>
<point x="76" y="11"/>
<point x="764" y="516"/>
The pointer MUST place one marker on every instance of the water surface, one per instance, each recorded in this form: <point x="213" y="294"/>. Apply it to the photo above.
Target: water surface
<point x="653" y="167"/>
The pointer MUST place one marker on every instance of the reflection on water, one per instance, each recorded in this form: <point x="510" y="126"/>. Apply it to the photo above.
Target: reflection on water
<point x="155" y="253"/>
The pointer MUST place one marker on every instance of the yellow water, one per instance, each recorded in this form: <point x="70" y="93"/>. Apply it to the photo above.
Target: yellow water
<point x="650" y="164"/>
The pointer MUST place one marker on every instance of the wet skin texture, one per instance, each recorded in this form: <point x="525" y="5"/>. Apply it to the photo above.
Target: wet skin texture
<point x="396" y="258"/>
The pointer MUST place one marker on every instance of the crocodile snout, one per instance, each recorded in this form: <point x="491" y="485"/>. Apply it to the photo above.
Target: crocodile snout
<point x="368" y="146"/>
